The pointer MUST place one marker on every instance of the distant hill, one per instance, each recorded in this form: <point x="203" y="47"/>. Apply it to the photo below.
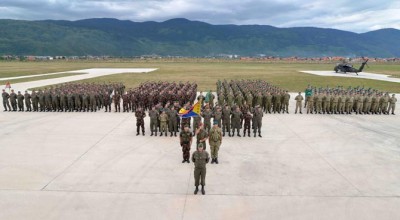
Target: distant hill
<point x="182" y="37"/>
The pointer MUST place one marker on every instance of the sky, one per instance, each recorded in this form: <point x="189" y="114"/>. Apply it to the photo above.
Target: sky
<point x="356" y="16"/>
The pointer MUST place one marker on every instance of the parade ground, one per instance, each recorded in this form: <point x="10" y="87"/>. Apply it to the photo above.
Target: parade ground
<point x="80" y="165"/>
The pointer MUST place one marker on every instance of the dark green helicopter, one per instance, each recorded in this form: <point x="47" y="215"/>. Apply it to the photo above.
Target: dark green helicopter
<point x="348" y="68"/>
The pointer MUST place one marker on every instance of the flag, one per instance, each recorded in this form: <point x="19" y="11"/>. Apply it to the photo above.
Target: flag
<point x="8" y="85"/>
<point x="192" y="112"/>
<point x="112" y="94"/>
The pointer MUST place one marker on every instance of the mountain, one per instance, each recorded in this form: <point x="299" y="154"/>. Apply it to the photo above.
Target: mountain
<point x="182" y="37"/>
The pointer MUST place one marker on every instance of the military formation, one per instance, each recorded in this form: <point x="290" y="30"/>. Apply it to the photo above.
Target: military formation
<point x="71" y="97"/>
<point x="340" y="100"/>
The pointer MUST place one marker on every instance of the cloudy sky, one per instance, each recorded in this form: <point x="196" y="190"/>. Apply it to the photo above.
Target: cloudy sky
<point x="356" y="16"/>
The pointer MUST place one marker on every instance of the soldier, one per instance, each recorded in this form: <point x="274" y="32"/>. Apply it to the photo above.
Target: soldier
<point x="186" y="138"/>
<point x="13" y="100"/>
<point x="384" y="105"/>
<point x="247" y="118"/>
<point x="235" y="121"/>
<point x="35" y="101"/>
<point x="107" y="102"/>
<point x="196" y="122"/>
<point x="207" y="115"/>
<point x="85" y="102"/>
<point x="6" y="103"/>
<point x="257" y="120"/>
<point x="20" y="99"/>
<point x="334" y="104"/>
<point x="215" y="141"/>
<point x="226" y="120"/>
<point x="277" y="103"/>
<point x="125" y="101"/>
<point x="153" y="114"/>
<point x="218" y="116"/>
<point x="286" y="98"/>
<point x="54" y="102"/>
<point x="140" y="115"/>
<point x="173" y="121"/>
<point x="310" y="104"/>
<point x="163" y="123"/>
<point x="41" y="101"/>
<point x="342" y="103"/>
<point x="117" y="100"/>
<point x="27" y="98"/>
<point x="350" y="104"/>
<point x="392" y="105"/>
<point x="201" y="136"/>
<point x="319" y="103"/>
<point x="299" y="99"/>
<point x="92" y="102"/>
<point x="200" y="158"/>
<point x="268" y="103"/>
<point x="308" y="93"/>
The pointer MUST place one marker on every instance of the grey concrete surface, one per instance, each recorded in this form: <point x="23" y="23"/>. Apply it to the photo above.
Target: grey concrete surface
<point x="92" y="166"/>
<point x="363" y="75"/>
<point x="90" y="73"/>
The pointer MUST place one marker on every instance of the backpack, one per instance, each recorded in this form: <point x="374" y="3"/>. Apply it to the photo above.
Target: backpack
<point x="215" y="135"/>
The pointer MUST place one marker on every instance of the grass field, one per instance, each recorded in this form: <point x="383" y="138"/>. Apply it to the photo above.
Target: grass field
<point x="284" y="75"/>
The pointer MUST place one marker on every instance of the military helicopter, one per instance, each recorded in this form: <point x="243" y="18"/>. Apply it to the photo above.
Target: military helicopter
<point x="348" y="68"/>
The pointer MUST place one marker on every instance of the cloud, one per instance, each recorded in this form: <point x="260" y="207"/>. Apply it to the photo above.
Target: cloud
<point x="359" y="16"/>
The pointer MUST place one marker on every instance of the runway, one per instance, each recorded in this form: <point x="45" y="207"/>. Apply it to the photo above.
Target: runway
<point x="363" y="75"/>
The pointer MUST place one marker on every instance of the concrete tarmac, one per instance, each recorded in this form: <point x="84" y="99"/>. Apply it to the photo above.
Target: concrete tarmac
<point x="362" y="75"/>
<point x="93" y="166"/>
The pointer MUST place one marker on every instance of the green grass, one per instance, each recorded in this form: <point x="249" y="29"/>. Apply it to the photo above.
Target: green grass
<point x="12" y="81"/>
<point x="207" y="72"/>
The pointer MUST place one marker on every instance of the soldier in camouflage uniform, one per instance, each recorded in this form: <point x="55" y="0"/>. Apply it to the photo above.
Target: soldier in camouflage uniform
<point x="20" y="99"/>
<point x="200" y="158"/>
<point x="247" y="118"/>
<point x="140" y="115"/>
<point x="6" y="103"/>
<point x="201" y="136"/>
<point x="235" y="121"/>
<point x="186" y="138"/>
<point x="215" y="141"/>
<point x="257" y="123"/>
<point x="226" y="121"/>
<point x="13" y="100"/>
<point x="163" y="123"/>
<point x="154" y="115"/>
<point x="27" y="98"/>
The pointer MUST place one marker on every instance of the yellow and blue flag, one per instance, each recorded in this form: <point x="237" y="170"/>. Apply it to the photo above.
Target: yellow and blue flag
<point x="194" y="111"/>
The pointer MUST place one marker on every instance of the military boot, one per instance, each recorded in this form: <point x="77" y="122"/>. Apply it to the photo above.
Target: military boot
<point x="196" y="190"/>
<point x="151" y="134"/>
<point x="143" y="133"/>
<point x="259" y="134"/>
<point x="254" y="134"/>
<point x="216" y="160"/>
<point x="202" y="190"/>
<point x="137" y="134"/>
<point x="238" y="134"/>
<point x="233" y="134"/>
<point x="223" y="134"/>
<point x="229" y="134"/>
<point x="156" y="134"/>
<point x="175" y="134"/>
<point x="171" y="134"/>
<point x="161" y="134"/>
<point x="248" y="134"/>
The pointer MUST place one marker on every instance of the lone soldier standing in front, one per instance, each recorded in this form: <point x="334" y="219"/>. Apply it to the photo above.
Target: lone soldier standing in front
<point x="200" y="158"/>
<point x="186" y="138"/>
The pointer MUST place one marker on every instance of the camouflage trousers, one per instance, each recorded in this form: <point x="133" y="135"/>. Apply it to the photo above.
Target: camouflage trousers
<point x="214" y="146"/>
<point x="185" y="151"/>
<point x="200" y="172"/>
<point x="140" y="124"/>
